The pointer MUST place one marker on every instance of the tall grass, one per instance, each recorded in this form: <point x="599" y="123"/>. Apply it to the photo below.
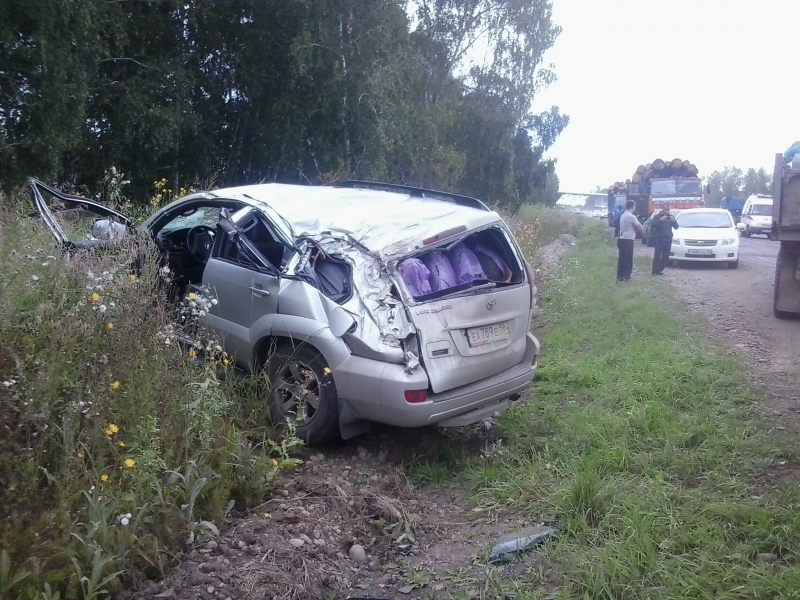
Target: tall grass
<point x="643" y="438"/>
<point x="117" y="448"/>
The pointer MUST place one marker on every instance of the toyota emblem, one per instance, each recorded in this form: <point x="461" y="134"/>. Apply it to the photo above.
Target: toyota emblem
<point x="490" y="304"/>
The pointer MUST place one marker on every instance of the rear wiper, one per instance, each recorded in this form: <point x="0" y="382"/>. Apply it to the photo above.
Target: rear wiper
<point x="485" y="286"/>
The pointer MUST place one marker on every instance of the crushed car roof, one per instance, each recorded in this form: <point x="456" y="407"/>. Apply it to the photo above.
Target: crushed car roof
<point x="376" y="219"/>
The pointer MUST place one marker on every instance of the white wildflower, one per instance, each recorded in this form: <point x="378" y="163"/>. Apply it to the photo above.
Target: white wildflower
<point x="102" y="308"/>
<point x="34" y="278"/>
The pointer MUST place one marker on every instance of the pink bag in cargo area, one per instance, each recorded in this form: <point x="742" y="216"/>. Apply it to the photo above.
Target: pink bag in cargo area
<point x="465" y="264"/>
<point x="415" y="274"/>
<point x="442" y="274"/>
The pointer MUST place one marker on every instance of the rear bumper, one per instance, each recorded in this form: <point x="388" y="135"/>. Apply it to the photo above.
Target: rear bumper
<point x="472" y="402"/>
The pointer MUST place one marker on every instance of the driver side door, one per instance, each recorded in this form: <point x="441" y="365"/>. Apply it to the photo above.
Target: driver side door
<point x="241" y="279"/>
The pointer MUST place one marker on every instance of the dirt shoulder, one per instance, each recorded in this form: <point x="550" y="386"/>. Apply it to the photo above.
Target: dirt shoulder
<point x="350" y="523"/>
<point x="737" y="303"/>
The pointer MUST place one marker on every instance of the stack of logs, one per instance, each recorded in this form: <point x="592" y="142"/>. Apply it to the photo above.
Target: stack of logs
<point x="658" y="169"/>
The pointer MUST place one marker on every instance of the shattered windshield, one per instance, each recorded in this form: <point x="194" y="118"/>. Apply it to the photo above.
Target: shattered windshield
<point x="204" y="215"/>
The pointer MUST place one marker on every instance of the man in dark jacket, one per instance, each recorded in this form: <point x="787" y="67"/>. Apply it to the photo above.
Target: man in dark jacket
<point x="663" y="224"/>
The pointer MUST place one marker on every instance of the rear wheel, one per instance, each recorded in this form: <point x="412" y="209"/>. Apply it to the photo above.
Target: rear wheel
<point x="302" y="391"/>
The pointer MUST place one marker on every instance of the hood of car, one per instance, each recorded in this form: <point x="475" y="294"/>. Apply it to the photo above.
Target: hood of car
<point x="386" y="223"/>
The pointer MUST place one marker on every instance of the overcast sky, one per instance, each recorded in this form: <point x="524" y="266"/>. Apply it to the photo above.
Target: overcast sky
<point x="716" y="82"/>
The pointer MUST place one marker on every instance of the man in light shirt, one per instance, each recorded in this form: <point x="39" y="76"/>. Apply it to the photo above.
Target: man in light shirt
<point x="628" y="227"/>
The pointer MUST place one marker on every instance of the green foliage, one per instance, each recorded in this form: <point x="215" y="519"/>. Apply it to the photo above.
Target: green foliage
<point x="116" y="447"/>
<point x="642" y="437"/>
<point x="279" y="91"/>
<point x="732" y="181"/>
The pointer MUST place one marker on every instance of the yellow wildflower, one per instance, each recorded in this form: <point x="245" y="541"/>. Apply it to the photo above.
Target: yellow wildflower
<point x="115" y="386"/>
<point x="110" y="326"/>
<point x="192" y="353"/>
<point x="326" y="370"/>
<point x="225" y="361"/>
<point x="274" y="462"/>
<point x="103" y="478"/>
<point x="112" y="429"/>
<point x="121" y="444"/>
<point x="129" y="463"/>
<point x="80" y="454"/>
<point x="131" y="277"/>
<point x="95" y="297"/>
<point x="192" y="296"/>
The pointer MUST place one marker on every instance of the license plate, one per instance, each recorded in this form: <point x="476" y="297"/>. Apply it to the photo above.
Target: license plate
<point x="699" y="251"/>
<point x="478" y="336"/>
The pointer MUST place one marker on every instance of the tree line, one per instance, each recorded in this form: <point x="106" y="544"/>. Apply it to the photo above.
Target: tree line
<point x="430" y="93"/>
<point x="734" y="182"/>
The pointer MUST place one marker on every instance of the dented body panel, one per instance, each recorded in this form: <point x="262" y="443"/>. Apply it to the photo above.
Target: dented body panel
<point x="323" y="267"/>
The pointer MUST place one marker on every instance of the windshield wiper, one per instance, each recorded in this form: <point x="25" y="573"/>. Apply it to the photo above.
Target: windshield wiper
<point x="477" y="288"/>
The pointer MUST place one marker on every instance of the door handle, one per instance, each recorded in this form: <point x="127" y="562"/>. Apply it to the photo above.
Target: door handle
<point x="259" y="291"/>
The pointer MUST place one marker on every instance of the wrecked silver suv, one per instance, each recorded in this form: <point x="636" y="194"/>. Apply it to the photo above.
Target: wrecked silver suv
<point x="364" y="302"/>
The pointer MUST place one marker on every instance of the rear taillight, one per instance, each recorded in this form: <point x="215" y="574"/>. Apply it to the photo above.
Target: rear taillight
<point x="416" y="396"/>
<point x="532" y="281"/>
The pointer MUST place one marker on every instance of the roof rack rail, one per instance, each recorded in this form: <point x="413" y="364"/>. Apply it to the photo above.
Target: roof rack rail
<point x="416" y="192"/>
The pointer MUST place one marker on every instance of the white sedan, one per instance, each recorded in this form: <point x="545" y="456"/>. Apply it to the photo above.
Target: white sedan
<point x="707" y="235"/>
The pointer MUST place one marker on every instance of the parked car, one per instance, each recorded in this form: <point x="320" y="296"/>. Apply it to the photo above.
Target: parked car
<point x="599" y="212"/>
<point x="756" y="215"/>
<point x="365" y="302"/>
<point x="707" y="235"/>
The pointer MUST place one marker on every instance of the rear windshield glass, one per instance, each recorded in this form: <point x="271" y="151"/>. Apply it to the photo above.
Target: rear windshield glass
<point x="482" y="258"/>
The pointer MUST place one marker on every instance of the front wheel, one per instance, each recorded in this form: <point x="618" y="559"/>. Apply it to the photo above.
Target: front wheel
<point x="734" y="264"/>
<point x="302" y="391"/>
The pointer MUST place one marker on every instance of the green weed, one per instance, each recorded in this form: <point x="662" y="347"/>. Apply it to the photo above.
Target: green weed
<point x="117" y="445"/>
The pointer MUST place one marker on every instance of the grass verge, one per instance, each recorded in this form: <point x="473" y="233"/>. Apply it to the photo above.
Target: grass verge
<point x="644" y="440"/>
<point x="116" y="447"/>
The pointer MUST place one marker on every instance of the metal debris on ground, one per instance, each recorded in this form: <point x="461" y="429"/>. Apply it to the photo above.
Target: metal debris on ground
<point x="507" y="546"/>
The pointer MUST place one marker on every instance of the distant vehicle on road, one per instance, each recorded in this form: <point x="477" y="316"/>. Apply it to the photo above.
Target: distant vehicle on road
<point x="599" y="212"/>
<point x="756" y="215"/>
<point x="705" y="235"/>
<point x="734" y="205"/>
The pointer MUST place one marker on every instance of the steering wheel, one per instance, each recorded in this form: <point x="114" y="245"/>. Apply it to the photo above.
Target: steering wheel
<point x="199" y="241"/>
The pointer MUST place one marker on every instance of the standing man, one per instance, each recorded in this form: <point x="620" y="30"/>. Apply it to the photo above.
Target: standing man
<point x="663" y="224"/>
<point x="628" y="226"/>
<point x="618" y="210"/>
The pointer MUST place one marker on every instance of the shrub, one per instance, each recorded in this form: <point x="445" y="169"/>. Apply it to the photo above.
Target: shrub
<point x="117" y="446"/>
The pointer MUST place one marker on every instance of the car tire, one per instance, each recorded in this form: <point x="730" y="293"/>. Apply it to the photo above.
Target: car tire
<point x="746" y="233"/>
<point x="296" y="374"/>
<point x="671" y="264"/>
<point x="734" y="264"/>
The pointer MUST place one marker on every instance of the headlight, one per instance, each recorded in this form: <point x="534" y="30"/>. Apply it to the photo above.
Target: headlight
<point x="676" y="241"/>
<point x="728" y="241"/>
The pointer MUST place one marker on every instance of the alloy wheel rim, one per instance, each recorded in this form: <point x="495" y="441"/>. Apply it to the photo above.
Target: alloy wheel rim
<point x="296" y="391"/>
